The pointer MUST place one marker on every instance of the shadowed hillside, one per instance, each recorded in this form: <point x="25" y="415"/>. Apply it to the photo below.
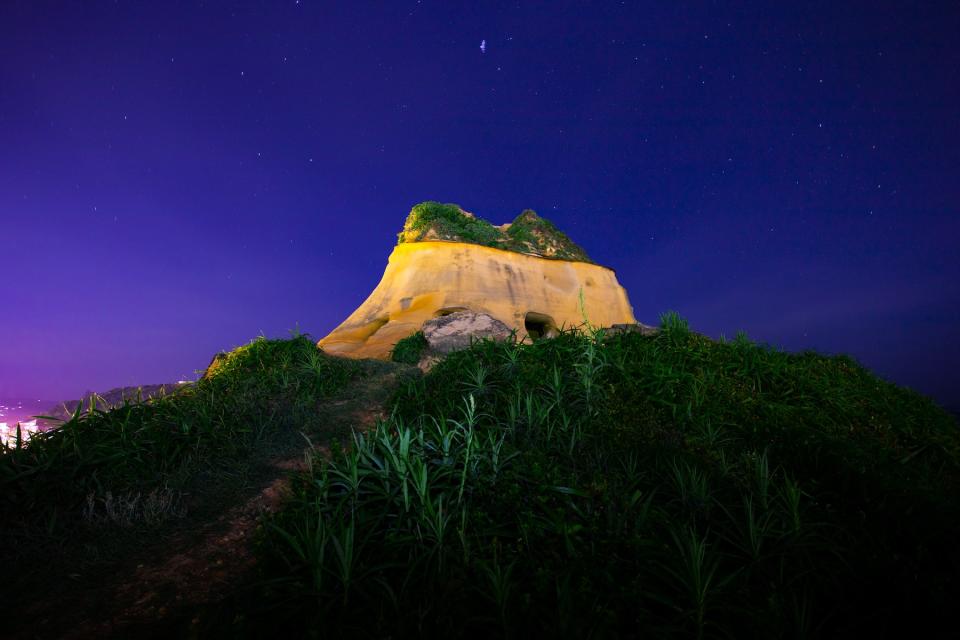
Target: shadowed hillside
<point x="593" y="484"/>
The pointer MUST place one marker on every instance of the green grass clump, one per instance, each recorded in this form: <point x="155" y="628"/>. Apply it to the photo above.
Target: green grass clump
<point x="410" y="349"/>
<point x="644" y="486"/>
<point x="528" y="233"/>
<point x="449" y="223"/>
<point x="162" y="444"/>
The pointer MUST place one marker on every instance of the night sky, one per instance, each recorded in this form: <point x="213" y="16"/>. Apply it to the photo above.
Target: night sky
<point x="176" y="178"/>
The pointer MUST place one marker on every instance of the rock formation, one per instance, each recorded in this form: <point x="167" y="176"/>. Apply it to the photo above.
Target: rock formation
<point x="527" y="275"/>
<point x="454" y="331"/>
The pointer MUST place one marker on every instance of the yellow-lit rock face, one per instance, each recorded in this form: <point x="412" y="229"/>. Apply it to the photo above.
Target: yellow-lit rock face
<point x="424" y="280"/>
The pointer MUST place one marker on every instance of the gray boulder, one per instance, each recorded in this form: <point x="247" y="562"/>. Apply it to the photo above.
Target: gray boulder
<point x="454" y="331"/>
<point x="639" y="327"/>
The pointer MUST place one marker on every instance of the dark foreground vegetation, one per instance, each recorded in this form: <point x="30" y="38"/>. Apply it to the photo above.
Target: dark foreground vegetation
<point x="70" y="498"/>
<point x="581" y="486"/>
<point x="246" y="395"/>
<point x="592" y="486"/>
<point x="409" y="350"/>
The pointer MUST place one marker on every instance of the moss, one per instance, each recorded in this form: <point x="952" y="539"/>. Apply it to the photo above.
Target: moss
<point x="528" y="233"/>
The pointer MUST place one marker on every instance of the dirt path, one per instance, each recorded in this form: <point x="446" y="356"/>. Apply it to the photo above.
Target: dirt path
<point x="154" y="592"/>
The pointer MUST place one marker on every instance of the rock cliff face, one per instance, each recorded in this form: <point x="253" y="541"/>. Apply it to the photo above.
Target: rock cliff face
<point x="427" y="279"/>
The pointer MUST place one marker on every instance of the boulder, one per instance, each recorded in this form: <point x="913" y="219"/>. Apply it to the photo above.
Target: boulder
<point x="632" y="327"/>
<point x="455" y="330"/>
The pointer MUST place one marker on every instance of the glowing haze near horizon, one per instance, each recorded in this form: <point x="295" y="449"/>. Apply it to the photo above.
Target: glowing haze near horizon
<point x="175" y="180"/>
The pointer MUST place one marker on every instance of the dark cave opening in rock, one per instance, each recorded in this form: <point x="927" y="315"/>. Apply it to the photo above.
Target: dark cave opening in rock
<point x="539" y="325"/>
<point x="446" y="311"/>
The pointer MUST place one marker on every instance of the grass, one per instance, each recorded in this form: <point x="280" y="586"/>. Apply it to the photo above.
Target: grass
<point x="131" y="466"/>
<point x="583" y="486"/>
<point x="528" y="233"/>
<point x="449" y="223"/>
<point x="629" y="485"/>
<point x="532" y="234"/>
<point x="409" y="350"/>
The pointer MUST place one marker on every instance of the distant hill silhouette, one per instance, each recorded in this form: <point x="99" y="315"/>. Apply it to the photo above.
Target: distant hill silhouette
<point x="110" y="399"/>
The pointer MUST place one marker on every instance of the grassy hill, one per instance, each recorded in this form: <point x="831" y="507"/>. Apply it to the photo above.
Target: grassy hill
<point x="587" y="485"/>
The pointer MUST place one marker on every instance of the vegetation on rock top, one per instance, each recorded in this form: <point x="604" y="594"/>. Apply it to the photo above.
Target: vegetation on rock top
<point x="528" y="233"/>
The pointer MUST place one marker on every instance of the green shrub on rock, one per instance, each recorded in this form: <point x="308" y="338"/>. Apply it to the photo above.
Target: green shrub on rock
<point x="410" y="349"/>
<point x="528" y="233"/>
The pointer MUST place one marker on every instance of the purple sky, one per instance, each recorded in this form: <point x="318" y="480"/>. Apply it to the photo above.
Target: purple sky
<point x="176" y="178"/>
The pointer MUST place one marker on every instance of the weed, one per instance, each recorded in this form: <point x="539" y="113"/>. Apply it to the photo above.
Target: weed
<point x="409" y="350"/>
<point x="660" y="485"/>
<point x="129" y="466"/>
<point x="583" y="486"/>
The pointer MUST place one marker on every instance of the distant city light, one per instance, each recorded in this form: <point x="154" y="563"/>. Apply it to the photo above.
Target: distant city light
<point x="13" y="413"/>
<point x="8" y="434"/>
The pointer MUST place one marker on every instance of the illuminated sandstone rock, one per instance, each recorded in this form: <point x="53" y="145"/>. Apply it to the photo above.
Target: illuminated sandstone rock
<point x="531" y="294"/>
